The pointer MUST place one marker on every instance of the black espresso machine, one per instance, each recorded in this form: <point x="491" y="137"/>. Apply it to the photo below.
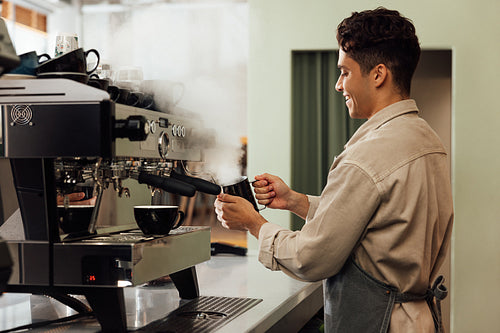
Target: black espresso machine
<point x="62" y="136"/>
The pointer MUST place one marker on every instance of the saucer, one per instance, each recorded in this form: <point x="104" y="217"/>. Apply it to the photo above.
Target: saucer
<point x="17" y="77"/>
<point x="75" y="76"/>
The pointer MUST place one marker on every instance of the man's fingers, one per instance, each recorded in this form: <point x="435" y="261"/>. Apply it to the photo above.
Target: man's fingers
<point x="263" y="190"/>
<point x="76" y="196"/>
<point x="227" y="198"/>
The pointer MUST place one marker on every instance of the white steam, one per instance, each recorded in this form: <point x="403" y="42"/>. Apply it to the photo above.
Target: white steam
<point x="202" y="48"/>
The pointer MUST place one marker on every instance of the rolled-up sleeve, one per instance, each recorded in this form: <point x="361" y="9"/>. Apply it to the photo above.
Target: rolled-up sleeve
<point x="335" y="222"/>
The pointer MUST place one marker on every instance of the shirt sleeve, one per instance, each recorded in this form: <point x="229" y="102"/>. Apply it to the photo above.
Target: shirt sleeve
<point x="335" y="222"/>
<point x="313" y="205"/>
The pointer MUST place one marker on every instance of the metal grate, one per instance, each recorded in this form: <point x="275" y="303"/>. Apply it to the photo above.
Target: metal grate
<point x="203" y="314"/>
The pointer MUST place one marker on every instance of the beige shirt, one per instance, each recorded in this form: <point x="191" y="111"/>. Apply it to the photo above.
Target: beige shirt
<point x="387" y="200"/>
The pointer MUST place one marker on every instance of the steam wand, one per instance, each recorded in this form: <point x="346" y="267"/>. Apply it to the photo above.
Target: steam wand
<point x="93" y="218"/>
<point x="100" y="190"/>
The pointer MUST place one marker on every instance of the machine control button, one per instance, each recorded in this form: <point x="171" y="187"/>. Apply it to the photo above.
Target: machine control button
<point x="174" y="130"/>
<point x="152" y="126"/>
<point x="183" y="131"/>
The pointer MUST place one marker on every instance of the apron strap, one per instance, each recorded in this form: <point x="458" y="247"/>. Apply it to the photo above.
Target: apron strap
<point x="433" y="297"/>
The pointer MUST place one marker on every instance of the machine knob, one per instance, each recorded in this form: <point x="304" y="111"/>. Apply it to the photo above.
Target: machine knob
<point x="135" y="128"/>
<point x="163" y="144"/>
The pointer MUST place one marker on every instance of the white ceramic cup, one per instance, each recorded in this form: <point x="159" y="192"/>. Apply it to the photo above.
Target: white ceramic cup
<point x="66" y="42"/>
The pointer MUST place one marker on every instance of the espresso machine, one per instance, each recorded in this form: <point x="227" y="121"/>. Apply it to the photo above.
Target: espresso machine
<point x="61" y="136"/>
<point x="8" y="61"/>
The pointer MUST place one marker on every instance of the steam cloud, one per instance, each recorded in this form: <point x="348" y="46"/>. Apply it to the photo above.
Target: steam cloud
<point x="203" y="47"/>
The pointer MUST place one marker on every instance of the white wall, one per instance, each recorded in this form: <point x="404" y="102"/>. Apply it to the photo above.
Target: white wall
<point x="471" y="30"/>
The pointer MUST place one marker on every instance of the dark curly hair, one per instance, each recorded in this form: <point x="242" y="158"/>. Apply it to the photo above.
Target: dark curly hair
<point x="381" y="36"/>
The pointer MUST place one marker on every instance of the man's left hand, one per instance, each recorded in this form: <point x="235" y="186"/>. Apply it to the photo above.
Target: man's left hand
<point x="76" y="199"/>
<point x="236" y="213"/>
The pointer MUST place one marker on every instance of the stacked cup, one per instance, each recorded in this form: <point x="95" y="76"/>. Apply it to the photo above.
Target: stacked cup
<point x="70" y="61"/>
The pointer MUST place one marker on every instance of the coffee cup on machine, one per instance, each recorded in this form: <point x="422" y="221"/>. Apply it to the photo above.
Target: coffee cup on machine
<point x="74" y="61"/>
<point x="159" y="219"/>
<point x="114" y="93"/>
<point x="74" y="218"/>
<point x="135" y="98"/>
<point x="123" y="95"/>
<point x="242" y="189"/>
<point x="147" y="102"/>
<point x="166" y="94"/>
<point x="129" y="77"/>
<point x="98" y="83"/>
<point x="29" y="62"/>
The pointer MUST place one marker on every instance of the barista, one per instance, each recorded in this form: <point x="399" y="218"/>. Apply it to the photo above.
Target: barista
<point x="379" y="232"/>
<point x="77" y="198"/>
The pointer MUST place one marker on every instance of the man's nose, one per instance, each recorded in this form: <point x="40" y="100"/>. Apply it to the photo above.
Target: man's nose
<point x="338" y="85"/>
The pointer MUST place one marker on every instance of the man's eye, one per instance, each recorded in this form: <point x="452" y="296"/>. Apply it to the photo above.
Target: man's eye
<point x="343" y="73"/>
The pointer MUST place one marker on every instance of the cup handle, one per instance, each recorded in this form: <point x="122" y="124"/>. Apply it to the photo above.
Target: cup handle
<point x="98" y="59"/>
<point x="258" y="209"/>
<point x="94" y="76"/>
<point x="42" y="56"/>
<point x="180" y="220"/>
<point x="148" y="102"/>
<point x="134" y="100"/>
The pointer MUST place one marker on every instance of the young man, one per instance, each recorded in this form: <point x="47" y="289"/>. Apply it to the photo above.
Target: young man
<point x="379" y="232"/>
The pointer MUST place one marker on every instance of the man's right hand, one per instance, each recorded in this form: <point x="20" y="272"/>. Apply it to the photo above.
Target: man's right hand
<point x="272" y="192"/>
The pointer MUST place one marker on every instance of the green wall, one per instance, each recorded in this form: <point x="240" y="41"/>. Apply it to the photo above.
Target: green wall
<point x="472" y="30"/>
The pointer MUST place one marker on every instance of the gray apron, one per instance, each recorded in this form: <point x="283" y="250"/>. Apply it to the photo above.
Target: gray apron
<point x="357" y="302"/>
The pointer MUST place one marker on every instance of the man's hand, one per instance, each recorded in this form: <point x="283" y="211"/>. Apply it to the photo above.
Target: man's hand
<point x="76" y="199"/>
<point x="272" y="192"/>
<point x="237" y="213"/>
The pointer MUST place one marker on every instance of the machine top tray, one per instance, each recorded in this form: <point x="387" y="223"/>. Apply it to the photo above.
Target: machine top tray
<point x="136" y="236"/>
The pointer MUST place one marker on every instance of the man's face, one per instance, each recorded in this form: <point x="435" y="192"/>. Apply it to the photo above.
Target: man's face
<point x="355" y="87"/>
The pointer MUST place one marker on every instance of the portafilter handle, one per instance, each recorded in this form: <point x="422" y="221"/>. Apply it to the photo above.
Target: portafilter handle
<point x="200" y="184"/>
<point x="168" y="184"/>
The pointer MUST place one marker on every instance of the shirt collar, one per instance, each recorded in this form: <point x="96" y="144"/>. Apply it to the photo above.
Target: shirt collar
<point x="381" y="117"/>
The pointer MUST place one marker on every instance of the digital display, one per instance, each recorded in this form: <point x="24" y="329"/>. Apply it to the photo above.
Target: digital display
<point x="91" y="279"/>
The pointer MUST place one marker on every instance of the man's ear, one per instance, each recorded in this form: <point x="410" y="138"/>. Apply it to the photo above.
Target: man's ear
<point x="380" y="75"/>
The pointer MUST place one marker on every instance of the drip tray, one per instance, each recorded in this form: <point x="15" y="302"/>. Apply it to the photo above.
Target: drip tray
<point x="203" y="314"/>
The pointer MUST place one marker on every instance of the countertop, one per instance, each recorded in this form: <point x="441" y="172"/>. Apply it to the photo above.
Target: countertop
<point x="287" y="304"/>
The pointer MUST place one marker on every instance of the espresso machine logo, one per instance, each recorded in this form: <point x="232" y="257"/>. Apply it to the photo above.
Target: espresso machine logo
<point x="21" y="115"/>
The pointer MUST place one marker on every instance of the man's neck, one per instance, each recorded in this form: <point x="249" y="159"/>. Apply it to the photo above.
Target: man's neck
<point x="386" y="100"/>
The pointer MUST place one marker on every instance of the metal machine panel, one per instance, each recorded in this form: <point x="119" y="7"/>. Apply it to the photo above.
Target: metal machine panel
<point x="62" y="130"/>
<point x="31" y="263"/>
<point x="129" y="257"/>
<point x="170" y="136"/>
